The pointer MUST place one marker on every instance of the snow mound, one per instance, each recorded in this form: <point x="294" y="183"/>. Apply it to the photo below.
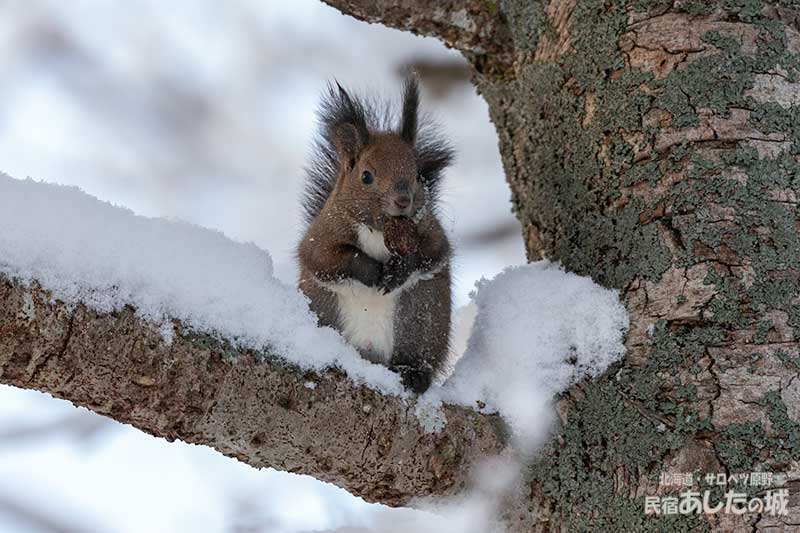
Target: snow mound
<point x="538" y="330"/>
<point x="89" y="251"/>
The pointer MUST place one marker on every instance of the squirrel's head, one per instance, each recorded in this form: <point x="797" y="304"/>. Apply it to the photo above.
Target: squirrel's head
<point x="383" y="170"/>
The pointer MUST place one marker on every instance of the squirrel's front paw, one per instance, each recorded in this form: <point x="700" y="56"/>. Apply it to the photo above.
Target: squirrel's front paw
<point x="367" y="270"/>
<point x="395" y="272"/>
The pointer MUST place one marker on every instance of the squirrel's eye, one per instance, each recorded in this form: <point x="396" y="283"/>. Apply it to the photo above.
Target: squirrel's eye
<point x="367" y="177"/>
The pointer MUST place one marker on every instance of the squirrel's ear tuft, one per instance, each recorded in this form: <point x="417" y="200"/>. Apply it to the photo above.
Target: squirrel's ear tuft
<point x="344" y="121"/>
<point x="408" y="119"/>
<point x="434" y="155"/>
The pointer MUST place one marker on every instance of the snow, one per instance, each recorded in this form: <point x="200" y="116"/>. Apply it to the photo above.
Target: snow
<point x="538" y="330"/>
<point x="86" y="250"/>
<point x="429" y="413"/>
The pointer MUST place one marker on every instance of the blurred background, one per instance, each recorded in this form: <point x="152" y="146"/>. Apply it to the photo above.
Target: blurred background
<point x="204" y="111"/>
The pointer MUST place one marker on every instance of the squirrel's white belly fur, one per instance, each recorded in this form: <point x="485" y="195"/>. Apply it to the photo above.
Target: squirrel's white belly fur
<point x="367" y="318"/>
<point x="367" y="314"/>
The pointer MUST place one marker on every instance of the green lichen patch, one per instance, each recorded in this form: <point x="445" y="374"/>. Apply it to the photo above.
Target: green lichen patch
<point x="792" y="361"/>
<point x="573" y="193"/>
<point x="747" y="447"/>
<point x="578" y="470"/>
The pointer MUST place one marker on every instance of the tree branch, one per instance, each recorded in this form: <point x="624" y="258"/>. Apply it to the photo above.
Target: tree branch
<point x="477" y="28"/>
<point x="262" y="412"/>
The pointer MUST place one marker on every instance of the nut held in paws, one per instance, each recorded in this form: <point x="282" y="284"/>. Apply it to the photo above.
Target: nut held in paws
<point x="400" y="235"/>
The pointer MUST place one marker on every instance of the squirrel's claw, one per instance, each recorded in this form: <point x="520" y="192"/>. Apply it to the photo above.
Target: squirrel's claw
<point x="390" y="281"/>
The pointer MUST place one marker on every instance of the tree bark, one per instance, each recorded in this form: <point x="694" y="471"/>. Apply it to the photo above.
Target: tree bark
<point x="654" y="146"/>
<point x="244" y="404"/>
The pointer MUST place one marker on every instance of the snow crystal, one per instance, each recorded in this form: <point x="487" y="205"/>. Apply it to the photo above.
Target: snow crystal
<point x="167" y="331"/>
<point x="430" y="414"/>
<point x="86" y="250"/>
<point x="538" y="330"/>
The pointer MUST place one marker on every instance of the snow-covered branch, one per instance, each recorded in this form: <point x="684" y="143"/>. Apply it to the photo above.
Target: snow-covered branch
<point x="263" y="412"/>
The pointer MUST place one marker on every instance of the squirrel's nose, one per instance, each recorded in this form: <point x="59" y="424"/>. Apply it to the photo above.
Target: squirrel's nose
<point x="402" y="201"/>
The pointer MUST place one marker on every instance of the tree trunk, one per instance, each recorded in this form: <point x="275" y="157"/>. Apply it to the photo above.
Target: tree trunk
<point x="654" y="146"/>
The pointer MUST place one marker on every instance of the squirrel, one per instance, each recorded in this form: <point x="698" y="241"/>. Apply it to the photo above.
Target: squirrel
<point x="374" y="259"/>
